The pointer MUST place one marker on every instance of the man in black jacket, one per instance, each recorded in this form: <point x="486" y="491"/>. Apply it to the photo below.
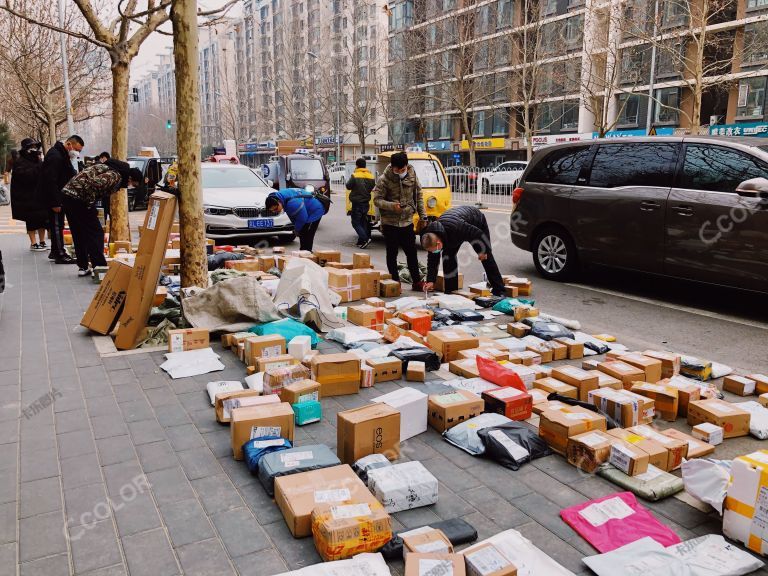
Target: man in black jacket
<point x="57" y="170"/>
<point x="444" y="237"/>
<point x="360" y="185"/>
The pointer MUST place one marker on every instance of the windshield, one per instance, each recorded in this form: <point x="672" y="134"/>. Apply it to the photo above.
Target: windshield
<point x="307" y="169"/>
<point x="242" y="177"/>
<point x="137" y="164"/>
<point x="429" y="173"/>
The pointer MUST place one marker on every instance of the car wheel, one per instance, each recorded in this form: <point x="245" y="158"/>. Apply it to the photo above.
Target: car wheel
<point x="554" y="254"/>
<point x="285" y="239"/>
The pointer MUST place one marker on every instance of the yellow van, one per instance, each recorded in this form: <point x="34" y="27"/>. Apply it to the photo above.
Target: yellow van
<point x="434" y="184"/>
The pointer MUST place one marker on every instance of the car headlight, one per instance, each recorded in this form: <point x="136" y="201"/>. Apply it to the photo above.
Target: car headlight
<point x="216" y="211"/>
<point x="432" y="202"/>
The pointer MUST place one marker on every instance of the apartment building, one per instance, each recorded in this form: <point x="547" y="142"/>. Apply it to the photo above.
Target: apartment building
<point x="495" y="74"/>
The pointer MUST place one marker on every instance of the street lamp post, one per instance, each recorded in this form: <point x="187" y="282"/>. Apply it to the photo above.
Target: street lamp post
<point x="65" y="71"/>
<point x="652" y="79"/>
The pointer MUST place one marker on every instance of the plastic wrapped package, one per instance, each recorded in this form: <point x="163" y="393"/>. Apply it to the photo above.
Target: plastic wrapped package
<point x="254" y="450"/>
<point x="288" y="328"/>
<point x="458" y="531"/>
<point x="370" y="462"/>
<point x="293" y="461"/>
<point x="466" y="315"/>
<point x="360" y="565"/>
<point x="474" y="385"/>
<point x="350" y="334"/>
<point x="527" y="558"/>
<point x="465" y="435"/>
<point x="712" y="555"/>
<point x="513" y="444"/>
<point x="499" y="374"/>
<point x="307" y="412"/>
<point x="345" y="529"/>
<point x="707" y="480"/>
<point x="403" y="486"/>
<point x="549" y="330"/>
<point x="455" y="302"/>
<point x="758" y="421"/>
<point x="419" y="354"/>
<point x="653" y="485"/>
<point x="591" y="343"/>
<point x="488" y="301"/>
<point x="222" y="387"/>
<point x="508" y="305"/>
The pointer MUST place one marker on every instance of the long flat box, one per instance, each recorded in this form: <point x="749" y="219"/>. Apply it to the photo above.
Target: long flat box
<point x="447" y="343"/>
<point x="761" y="383"/>
<point x="426" y="540"/>
<point x="687" y="391"/>
<point x="710" y="433"/>
<point x="185" y="339"/>
<point x="556" y="426"/>
<point x="650" y="366"/>
<point x="294" y="461"/>
<point x="412" y="405"/>
<point x="739" y="385"/>
<point x="452" y="408"/>
<point x="301" y="391"/>
<point x="606" y="381"/>
<point x="385" y="369"/>
<point x="424" y="564"/>
<point x="228" y="401"/>
<point x="550" y="385"/>
<point x="338" y="374"/>
<point x="627" y="373"/>
<point x="559" y="351"/>
<point x="403" y="486"/>
<point x="577" y="377"/>
<point x="466" y="368"/>
<point x="325" y="256"/>
<point x="269" y="346"/>
<point x="670" y="362"/>
<point x="542" y="350"/>
<point x="487" y="352"/>
<point x="588" y="450"/>
<point x="372" y="429"/>
<point x="298" y="494"/>
<point x="665" y="400"/>
<point x="626" y="409"/>
<point x="146" y="269"/>
<point x="696" y="448"/>
<point x="657" y="454"/>
<point x="508" y="401"/>
<point x="677" y="450"/>
<point x="525" y="357"/>
<point x="256" y="421"/>
<point x="628" y="458"/>
<point x="266" y="362"/>
<point x="107" y="303"/>
<point x="733" y="420"/>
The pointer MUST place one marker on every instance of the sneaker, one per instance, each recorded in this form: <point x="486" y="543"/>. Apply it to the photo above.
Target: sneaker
<point x="43" y="246"/>
<point x="83" y="271"/>
<point x="66" y="259"/>
<point x="365" y="244"/>
<point x="34" y="247"/>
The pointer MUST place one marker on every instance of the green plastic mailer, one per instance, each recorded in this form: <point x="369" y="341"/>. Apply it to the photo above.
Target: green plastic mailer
<point x="653" y="485"/>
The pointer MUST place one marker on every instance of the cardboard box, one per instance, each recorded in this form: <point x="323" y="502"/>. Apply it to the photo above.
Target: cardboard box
<point x="429" y="564"/>
<point x="511" y="291"/>
<point x="338" y="374"/>
<point x="744" y="514"/>
<point x="537" y="396"/>
<point x="412" y="405"/>
<point x="670" y="362"/>
<point x="540" y="407"/>
<point x="389" y="288"/>
<point x="419" y="321"/>
<point x="487" y="352"/>
<point x="559" y="351"/>
<point x="161" y="293"/>
<point x="696" y="448"/>
<point x="605" y="381"/>
<point x="677" y="450"/>
<point x="269" y="346"/>
<point x="188" y="339"/>
<point x="628" y="458"/>
<point x="361" y="260"/>
<point x="398" y="323"/>
<point x="376" y="302"/>
<point x="341" y="531"/>
<point x="575" y="349"/>
<point x="709" y="433"/>
<point x="255" y="421"/>
<point x="346" y="283"/>
<point x="367" y="316"/>
<point x="627" y="373"/>
<point x="385" y="369"/>
<point x="340" y="265"/>
<point x="525" y="357"/>
<point x="426" y="540"/>
<point x="440" y="282"/>
<point x="556" y="426"/>
<point x="466" y="368"/>
<point x="733" y="420"/>
<point x="298" y="494"/>
<point x="485" y="559"/>
<point x="325" y="256"/>
<point x="107" y="303"/>
<point x="650" y="366"/>
<point x="542" y="350"/>
<point x="480" y="289"/>
<point x="665" y="400"/>
<point x="228" y="401"/>
<point x="508" y="401"/>
<point x="590" y="364"/>
<point x="265" y="363"/>
<point x="518" y="329"/>
<point x="627" y="408"/>
<point x="739" y="385"/>
<point x="447" y="410"/>
<point x="370" y="281"/>
<point x="366" y="376"/>
<point x="550" y="385"/>
<point x="577" y="377"/>
<point x="687" y="391"/>
<point x="146" y="269"/>
<point x="416" y="371"/>
<point x="447" y="343"/>
<point x="763" y="399"/>
<point x="588" y="450"/>
<point x="372" y="429"/>
<point x="761" y="382"/>
<point x="301" y="391"/>
<point x="657" y="454"/>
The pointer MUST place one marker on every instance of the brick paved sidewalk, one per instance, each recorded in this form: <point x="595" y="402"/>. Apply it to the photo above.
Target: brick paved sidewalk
<point x="127" y="472"/>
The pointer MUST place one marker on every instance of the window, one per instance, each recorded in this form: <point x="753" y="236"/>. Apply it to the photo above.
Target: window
<point x="431" y="129"/>
<point x="574" y="31"/>
<point x="667" y="106"/>
<point x="670" y="60"/>
<point x="753" y="4"/>
<point x="479" y="123"/>
<point x="429" y="173"/>
<point x="719" y="169"/>
<point x="755" y="43"/>
<point x="401" y="16"/>
<point x="502" y="51"/>
<point x="674" y="13"/>
<point x="545" y="115"/>
<point x="449" y="4"/>
<point x="633" y="64"/>
<point x="570" y="120"/>
<point x="548" y="7"/>
<point x="560" y="166"/>
<point x="629" y="109"/>
<point x="751" y="101"/>
<point x="551" y="34"/>
<point x="499" y="127"/>
<point x="483" y="20"/>
<point x="363" y="73"/>
<point x="481" y="56"/>
<point x="617" y="165"/>
<point x="445" y="128"/>
<point x="504" y="14"/>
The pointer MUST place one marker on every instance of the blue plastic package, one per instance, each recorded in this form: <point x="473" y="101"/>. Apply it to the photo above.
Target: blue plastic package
<point x="255" y="449"/>
<point x="288" y="328"/>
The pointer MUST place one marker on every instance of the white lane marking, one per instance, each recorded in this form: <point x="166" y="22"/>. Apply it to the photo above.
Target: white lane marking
<point x="689" y="309"/>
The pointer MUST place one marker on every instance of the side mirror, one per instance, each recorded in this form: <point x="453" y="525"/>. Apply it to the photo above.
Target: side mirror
<point x="309" y="188"/>
<point x="753" y="188"/>
<point x="270" y="183"/>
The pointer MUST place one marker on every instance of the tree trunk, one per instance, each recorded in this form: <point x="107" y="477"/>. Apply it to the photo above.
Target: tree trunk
<point x="52" y="131"/>
<point x="119" y="228"/>
<point x="194" y="264"/>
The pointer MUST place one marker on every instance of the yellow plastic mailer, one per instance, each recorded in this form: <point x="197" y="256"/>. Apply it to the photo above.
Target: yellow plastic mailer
<point x="343" y="530"/>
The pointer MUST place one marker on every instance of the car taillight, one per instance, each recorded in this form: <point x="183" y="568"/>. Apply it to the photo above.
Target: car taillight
<point x="516" y="194"/>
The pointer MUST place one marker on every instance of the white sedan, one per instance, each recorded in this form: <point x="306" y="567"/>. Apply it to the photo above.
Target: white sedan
<point x="233" y="205"/>
<point x="502" y="179"/>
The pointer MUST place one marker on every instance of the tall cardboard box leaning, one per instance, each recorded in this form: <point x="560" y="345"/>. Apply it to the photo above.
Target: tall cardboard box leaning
<point x="108" y="301"/>
<point x="745" y="514"/>
<point x="146" y="268"/>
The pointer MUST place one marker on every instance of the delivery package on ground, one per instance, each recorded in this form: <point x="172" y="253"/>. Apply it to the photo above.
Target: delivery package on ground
<point x="746" y="504"/>
<point x="344" y="530"/>
<point x="403" y="486"/>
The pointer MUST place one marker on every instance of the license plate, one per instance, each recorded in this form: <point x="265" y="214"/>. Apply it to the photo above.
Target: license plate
<point x="261" y="223"/>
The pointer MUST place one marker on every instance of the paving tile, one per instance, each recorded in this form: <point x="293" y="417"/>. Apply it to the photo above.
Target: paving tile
<point x="197" y="400"/>
<point x="120" y="376"/>
<point x="204" y="559"/>
<point x="156" y="456"/>
<point x="186" y="522"/>
<point x="86" y="504"/>
<point x="8" y="522"/>
<point x="264" y="563"/>
<point x="184" y="437"/>
<point x="41" y="536"/>
<point x="52" y="566"/>
<point x="238" y="474"/>
<point x="138" y="514"/>
<point x="171" y="415"/>
<point x="38" y="464"/>
<point x="121" y="475"/>
<point x="260" y="503"/>
<point x="170" y="485"/>
<point x="128" y="393"/>
<point x="205" y="420"/>
<point x="71" y="421"/>
<point x="495" y="508"/>
<point x="40" y="496"/>
<point x="559" y="550"/>
<point x="417" y="517"/>
<point x="108" y="426"/>
<point x="80" y="470"/>
<point x="240" y="532"/>
<point x="199" y="463"/>
<point x="103" y="406"/>
<point x="115" y="449"/>
<point x="116" y="570"/>
<point x="137" y="410"/>
<point x="220" y="443"/>
<point x="547" y="513"/>
<point x="454" y="477"/>
<point x="297" y="553"/>
<point x="8" y="455"/>
<point x="146" y="431"/>
<point x="150" y="554"/>
<point x="8" y="485"/>
<point x="94" y="546"/>
<point x="217" y="493"/>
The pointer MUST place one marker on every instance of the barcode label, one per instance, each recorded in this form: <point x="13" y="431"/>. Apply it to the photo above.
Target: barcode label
<point x="261" y="431"/>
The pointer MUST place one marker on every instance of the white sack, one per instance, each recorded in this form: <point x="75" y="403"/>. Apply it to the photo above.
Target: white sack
<point x="707" y="480"/>
<point x="303" y="293"/>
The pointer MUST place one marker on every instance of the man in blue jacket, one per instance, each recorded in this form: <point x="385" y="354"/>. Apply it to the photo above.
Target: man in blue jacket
<point x="302" y="208"/>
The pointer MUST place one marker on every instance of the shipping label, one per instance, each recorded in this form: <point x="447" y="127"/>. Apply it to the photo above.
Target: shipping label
<point x="350" y="511"/>
<point x="599" y="513"/>
<point x="152" y="216"/>
<point x="621" y="458"/>
<point x="338" y="495"/>
<point x="261" y="431"/>
<point x="487" y="560"/>
<point x="514" y="449"/>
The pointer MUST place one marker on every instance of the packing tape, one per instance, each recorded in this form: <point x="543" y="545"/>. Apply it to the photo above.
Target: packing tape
<point x="755" y="543"/>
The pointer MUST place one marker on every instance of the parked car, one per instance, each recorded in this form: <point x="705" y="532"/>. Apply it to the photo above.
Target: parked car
<point x="298" y="171"/>
<point x="233" y="205"/>
<point x="153" y="169"/>
<point x="502" y="179"/>
<point x="462" y="179"/>
<point x="673" y="206"/>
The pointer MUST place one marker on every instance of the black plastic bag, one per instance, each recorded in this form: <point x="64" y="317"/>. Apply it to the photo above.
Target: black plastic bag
<point x="466" y="316"/>
<point x="513" y="444"/>
<point x="549" y="330"/>
<point x="440" y="314"/>
<point x="420" y="354"/>
<point x="458" y="531"/>
<point x="488" y="301"/>
<point x="217" y="260"/>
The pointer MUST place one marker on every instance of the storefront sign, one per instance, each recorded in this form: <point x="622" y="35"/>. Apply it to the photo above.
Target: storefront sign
<point x="486" y="144"/>
<point x="759" y="129"/>
<point x="386" y="147"/>
<point x="549" y="139"/>
<point x="660" y="131"/>
<point x="320" y="140"/>
<point x="442" y="145"/>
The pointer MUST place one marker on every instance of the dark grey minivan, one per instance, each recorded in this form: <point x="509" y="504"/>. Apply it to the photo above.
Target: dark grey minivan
<point x="675" y="206"/>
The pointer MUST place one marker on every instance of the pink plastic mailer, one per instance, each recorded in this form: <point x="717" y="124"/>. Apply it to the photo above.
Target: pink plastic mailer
<point x="613" y="521"/>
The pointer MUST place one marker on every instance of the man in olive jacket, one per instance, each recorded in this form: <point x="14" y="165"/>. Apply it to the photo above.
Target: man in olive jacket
<point x="398" y="197"/>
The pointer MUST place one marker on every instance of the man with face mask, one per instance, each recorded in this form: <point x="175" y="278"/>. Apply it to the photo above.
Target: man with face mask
<point x="58" y="168"/>
<point x="398" y="197"/>
<point x="443" y="238"/>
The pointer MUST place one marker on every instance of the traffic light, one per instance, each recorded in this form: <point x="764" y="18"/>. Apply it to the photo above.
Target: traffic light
<point x="168" y="124"/>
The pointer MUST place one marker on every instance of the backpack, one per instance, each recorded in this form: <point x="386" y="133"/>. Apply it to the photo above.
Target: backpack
<point x="322" y="198"/>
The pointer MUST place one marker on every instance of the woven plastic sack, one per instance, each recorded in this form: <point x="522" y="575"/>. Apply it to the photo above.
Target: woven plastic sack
<point x="653" y="485"/>
<point x="255" y="449"/>
<point x="465" y="437"/>
<point x="288" y="328"/>
<point x="513" y="444"/>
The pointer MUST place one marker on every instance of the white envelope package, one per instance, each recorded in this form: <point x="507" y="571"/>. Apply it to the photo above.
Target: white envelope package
<point x="403" y="486"/>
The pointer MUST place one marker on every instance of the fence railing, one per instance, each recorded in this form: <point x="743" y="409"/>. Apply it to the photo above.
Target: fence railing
<point x="487" y="186"/>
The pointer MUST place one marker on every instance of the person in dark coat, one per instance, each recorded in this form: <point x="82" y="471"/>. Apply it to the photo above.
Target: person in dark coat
<point x="57" y="170"/>
<point x="443" y="238"/>
<point x="27" y="205"/>
<point x="303" y="210"/>
<point x="360" y="185"/>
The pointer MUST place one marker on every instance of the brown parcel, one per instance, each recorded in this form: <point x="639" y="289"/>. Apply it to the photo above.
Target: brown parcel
<point x="657" y="454"/>
<point x="370" y="283"/>
<point x="267" y="346"/>
<point x="670" y="362"/>
<point x="575" y="349"/>
<point x="550" y="385"/>
<point x="628" y="458"/>
<point x="447" y="343"/>
<point x="477" y="559"/>
<point x="188" y="339"/>
<point x="296" y="494"/>
<point x="107" y="303"/>
<point x="665" y="398"/>
<point x="559" y="350"/>
<point x="588" y="450"/>
<point x="677" y="450"/>
<point x="372" y="429"/>
<point x="447" y="410"/>
<point x="696" y="448"/>
<point x="518" y="329"/>
<point x="361" y="260"/>
<point x="281" y="361"/>
<point x="431" y="540"/>
<point x="146" y="269"/>
<point x="761" y="383"/>
<point x="325" y="256"/>
<point x="338" y="374"/>
<point x="466" y="368"/>
<point x="733" y="420"/>
<point x="389" y="288"/>
<point x="301" y="391"/>
<point x="686" y="393"/>
<point x="546" y="354"/>
<point x="556" y="426"/>
<point x="650" y="366"/>
<point x="228" y="401"/>
<point x="575" y="376"/>
<point x="623" y="371"/>
<point x="739" y="385"/>
<point x="346" y="283"/>
<point x="253" y="421"/>
<point x="385" y="369"/>
<point x="605" y="381"/>
<point x="416" y="371"/>
<point x="628" y="409"/>
<point x="428" y="564"/>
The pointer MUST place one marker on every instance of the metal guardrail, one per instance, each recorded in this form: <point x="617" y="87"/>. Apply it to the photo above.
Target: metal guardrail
<point x="484" y="186"/>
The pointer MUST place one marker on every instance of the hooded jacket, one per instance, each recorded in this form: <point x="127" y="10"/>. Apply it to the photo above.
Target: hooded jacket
<point x="390" y="188"/>
<point x="27" y="203"/>
<point x="360" y="185"/>
<point x="456" y="226"/>
<point x="56" y="172"/>
<point x="299" y="205"/>
<point x="93" y="183"/>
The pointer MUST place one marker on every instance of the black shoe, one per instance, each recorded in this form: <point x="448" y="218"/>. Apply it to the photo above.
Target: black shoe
<point x="65" y="260"/>
<point x="365" y="244"/>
